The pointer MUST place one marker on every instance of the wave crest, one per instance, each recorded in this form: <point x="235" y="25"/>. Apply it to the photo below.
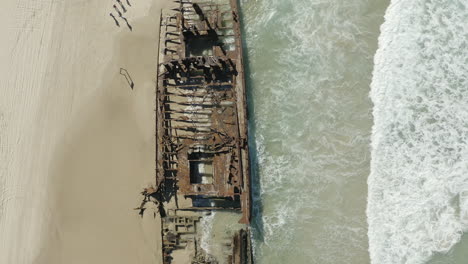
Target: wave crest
<point x="418" y="185"/>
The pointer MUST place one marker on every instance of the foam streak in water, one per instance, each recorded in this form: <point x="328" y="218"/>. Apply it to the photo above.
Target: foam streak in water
<point x="310" y="65"/>
<point x="418" y="186"/>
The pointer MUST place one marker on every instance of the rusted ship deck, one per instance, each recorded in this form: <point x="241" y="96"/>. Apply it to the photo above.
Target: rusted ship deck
<point x="202" y="160"/>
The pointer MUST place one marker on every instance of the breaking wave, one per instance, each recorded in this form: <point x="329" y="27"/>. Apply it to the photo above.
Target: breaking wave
<point x="418" y="185"/>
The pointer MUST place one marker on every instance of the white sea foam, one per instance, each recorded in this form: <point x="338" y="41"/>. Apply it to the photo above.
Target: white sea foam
<point x="217" y="230"/>
<point x="418" y="185"/>
<point x="206" y="229"/>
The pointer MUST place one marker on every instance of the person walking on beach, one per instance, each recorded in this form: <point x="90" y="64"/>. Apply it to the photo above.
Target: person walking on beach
<point x="128" y="24"/>
<point x="118" y="11"/>
<point x="122" y="6"/>
<point x="115" y="20"/>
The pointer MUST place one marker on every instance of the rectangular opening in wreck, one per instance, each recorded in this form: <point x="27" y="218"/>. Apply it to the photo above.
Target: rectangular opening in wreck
<point x="200" y="46"/>
<point x="200" y="201"/>
<point x="201" y="168"/>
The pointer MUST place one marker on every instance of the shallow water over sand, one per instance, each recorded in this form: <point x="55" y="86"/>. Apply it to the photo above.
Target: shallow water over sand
<point x="310" y="65"/>
<point x="310" y="76"/>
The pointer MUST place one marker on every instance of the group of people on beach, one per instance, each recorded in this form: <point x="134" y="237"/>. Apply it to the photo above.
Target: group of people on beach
<point x="124" y="10"/>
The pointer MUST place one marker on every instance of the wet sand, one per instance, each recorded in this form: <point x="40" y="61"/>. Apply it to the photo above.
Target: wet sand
<point x="76" y="142"/>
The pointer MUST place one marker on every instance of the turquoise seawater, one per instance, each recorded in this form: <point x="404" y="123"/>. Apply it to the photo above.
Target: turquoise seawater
<point x="310" y="68"/>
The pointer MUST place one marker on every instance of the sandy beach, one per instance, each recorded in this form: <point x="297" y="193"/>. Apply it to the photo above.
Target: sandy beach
<point x="76" y="142"/>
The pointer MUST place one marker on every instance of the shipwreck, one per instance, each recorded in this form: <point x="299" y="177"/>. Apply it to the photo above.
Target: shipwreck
<point x="202" y="158"/>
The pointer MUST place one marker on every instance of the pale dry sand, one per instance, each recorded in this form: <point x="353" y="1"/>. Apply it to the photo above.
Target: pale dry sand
<point x="76" y="144"/>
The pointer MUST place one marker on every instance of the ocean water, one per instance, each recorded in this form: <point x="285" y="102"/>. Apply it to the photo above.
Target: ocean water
<point x="357" y="159"/>
<point x="310" y="67"/>
<point x="418" y="186"/>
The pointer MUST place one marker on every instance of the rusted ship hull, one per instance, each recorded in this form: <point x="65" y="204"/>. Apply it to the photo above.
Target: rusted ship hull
<point x="202" y="159"/>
